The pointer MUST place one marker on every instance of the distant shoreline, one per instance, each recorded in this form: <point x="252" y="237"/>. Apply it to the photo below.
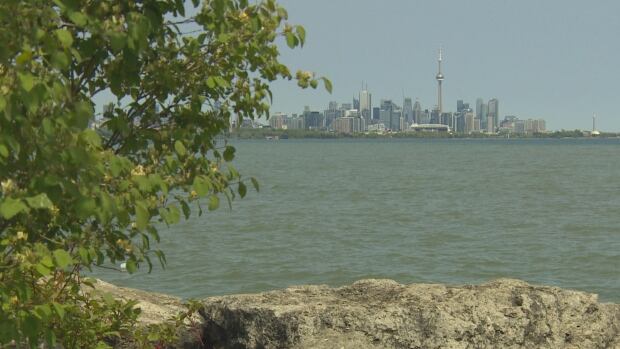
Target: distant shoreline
<point x="265" y="133"/>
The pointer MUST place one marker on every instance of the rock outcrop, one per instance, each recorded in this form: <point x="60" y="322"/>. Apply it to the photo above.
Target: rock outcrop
<point x="156" y="307"/>
<point x="384" y="314"/>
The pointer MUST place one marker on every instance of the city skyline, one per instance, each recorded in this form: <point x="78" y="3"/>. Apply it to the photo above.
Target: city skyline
<point x="541" y="59"/>
<point x="487" y="115"/>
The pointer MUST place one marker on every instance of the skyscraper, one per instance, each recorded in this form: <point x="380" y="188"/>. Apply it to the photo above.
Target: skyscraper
<point x="479" y="103"/>
<point x="460" y="105"/>
<point x="376" y="114"/>
<point x="439" y="78"/>
<point x="417" y="112"/>
<point x="365" y="106"/>
<point x="408" y="110"/>
<point x="493" y="114"/>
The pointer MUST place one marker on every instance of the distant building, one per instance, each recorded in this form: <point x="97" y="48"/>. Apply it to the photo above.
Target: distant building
<point x="470" y="123"/>
<point x="490" y="124"/>
<point x="435" y="117"/>
<point x="365" y="105"/>
<point x="313" y="120"/>
<point x="349" y="124"/>
<point x="278" y="121"/>
<point x="482" y="111"/>
<point x="512" y="124"/>
<point x="376" y="114"/>
<point x="417" y="113"/>
<point x="380" y="128"/>
<point x="295" y="123"/>
<point x="396" y="121"/>
<point x="331" y="113"/>
<point x="408" y="111"/>
<point x="493" y="113"/>
<point x="390" y="115"/>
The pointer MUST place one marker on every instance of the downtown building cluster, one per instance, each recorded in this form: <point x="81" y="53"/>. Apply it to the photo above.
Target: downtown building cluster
<point x="361" y="116"/>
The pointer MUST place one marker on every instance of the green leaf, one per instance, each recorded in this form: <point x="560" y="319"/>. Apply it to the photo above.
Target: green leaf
<point x="84" y="255"/>
<point x="10" y="207"/>
<point x="91" y="137"/>
<point x="142" y="216"/>
<point x="118" y="40"/>
<point x="222" y="82"/>
<point x="78" y="18"/>
<point x="2" y="103"/>
<point x="43" y="270"/>
<point x="174" y="215"/>
<point x="211" y="82"/>
<point x="65" y="38"/>
<point x="301" y="34"/>
<point x="242" y="189"/>
<point x="229" y="153"/>
<point x="291" y="40"/>
<point x="186" y="209"/>
<point x="63" y="258"/>
<point x="82" y="114"/>
<point x="131" y="266"/>
<point x="201" y="185"/>
<point x="180" y="148"/>
<point x="255" y="184"/>
<point x="43" y="311"/>
<point x="214" y="202"/>
<point x="60" y="309"/>
<point x="39" y="201"/>
<point x="327" y="83"/>
<point x="26" y="80"/>
<point x="47" y="261"/>
<point x="4" y="151"/>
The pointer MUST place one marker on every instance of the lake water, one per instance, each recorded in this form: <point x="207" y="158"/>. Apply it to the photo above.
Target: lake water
<point x="415" y="210"/>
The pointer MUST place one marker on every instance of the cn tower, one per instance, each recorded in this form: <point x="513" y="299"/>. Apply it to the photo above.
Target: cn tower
<point x="439" y="78"/>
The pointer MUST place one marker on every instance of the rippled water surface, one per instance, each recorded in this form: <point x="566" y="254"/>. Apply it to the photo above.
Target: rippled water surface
<point x="455" y="211"/>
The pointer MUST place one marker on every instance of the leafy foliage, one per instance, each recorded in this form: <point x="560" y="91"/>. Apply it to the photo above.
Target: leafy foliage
<point x="75" y="197"/>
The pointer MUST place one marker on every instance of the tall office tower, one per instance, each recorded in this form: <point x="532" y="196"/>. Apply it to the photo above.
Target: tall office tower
<point x="484" y="115"/>
<point x="439" y="78"/>
<point x="331" y="114"/>
<point x="490" y="124"/>
<point x="408" y="110"/>
<point x="470" y="123"/>
<point x="417" y="112"/>
<point x="376" y="114"/>
<point x="395" y="119"/>
<point x="365" y="105"/>
<point x="460" y="106"/>
<point x="479" y="104"/>
<point x="435" y="117"/>
<point x="356" y="103"/>
<point x="493" y="111"/>
<point x="460" y="120"/>
<point x="386" y="112"/>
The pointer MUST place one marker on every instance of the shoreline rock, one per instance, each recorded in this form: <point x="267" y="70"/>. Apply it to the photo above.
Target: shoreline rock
<point x="504" y="313"/>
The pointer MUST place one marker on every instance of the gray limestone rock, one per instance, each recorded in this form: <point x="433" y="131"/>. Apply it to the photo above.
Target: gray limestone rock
<point x="384" y="314"/>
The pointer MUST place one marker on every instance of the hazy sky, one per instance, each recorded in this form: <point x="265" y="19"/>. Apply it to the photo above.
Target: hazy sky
<point x="556" y="60"/>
